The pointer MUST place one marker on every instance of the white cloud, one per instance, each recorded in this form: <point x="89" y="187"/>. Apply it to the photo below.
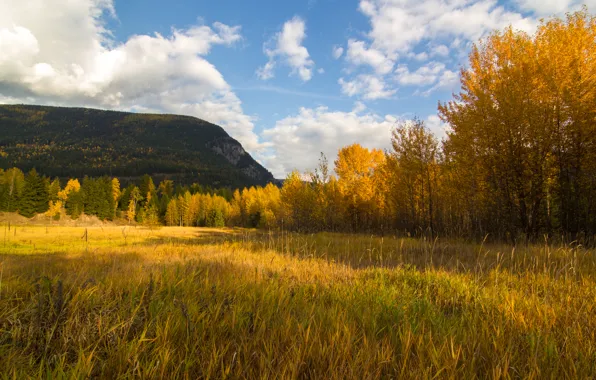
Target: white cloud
<point x="433" y="74"/>
<point x="437" y="127"/>
<point x="287" y="44"/>
<point x="420" y="30"/>
<point x="299" y="139"/>
<point x="545" y="7"/>
<point x="59" y="52"/>
<point x="399" y="25"/>
<point x="449" y="80"/>
<point x="266" y="72"/>
<point x="554" y="7"/>
<point x="476" y="20"/>
<point x="359" y="54"/>
<point x="370" y="87"/>
<point x="423" y="56"/>
<point x="337" y="52"/>
<point x="423" y="76"/>
<point x="439" y="50"/>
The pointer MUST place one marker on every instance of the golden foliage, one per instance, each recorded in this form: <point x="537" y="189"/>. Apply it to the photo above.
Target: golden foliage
<point x="71" y="185"/>
<point x="54" y="209"/>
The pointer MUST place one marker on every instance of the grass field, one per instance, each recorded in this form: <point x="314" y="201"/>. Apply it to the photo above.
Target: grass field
<point x="117" y="302"/>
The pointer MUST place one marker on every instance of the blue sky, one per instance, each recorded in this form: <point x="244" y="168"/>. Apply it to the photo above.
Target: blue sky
<point x="289" y="79"/>
<point x="328" y="23"/>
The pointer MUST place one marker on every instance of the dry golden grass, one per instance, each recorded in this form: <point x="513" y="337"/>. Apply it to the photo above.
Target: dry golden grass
<point x="121" y="302"/>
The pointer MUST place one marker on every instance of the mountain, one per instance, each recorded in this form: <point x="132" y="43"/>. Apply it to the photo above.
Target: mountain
<point x="74" y="142"/>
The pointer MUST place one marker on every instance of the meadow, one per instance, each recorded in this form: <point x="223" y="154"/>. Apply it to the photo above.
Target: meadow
<point x="176" y="302"/>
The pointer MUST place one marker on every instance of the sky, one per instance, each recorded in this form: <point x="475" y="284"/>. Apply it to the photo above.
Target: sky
<point x="288" y="79"/>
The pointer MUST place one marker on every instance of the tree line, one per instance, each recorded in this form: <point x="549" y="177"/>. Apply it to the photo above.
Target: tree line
<point x="519" y="161"/>
<point x="32" y="194"/>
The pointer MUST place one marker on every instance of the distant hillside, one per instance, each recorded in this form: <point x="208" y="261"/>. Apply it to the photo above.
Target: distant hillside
<point x="74" y="142"/>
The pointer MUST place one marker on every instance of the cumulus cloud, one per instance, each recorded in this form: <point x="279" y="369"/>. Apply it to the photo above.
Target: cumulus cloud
<point x="59" y="52"/>
<point x="425" y="75"/>
<point x="337" y="52"/>
<point x="399" y="25"/>
<point x="449" y="80"/>
<point x="439" y="50"/>
<point x="299" y="139"/>
<point x="266" y="72"/>
<point x="432" y="74"/>
<point x="370" y="87"/>
<point x="437" y="127"/>
<point x="421" y="57"/>
<point x="359" y="54"/>
<point x="549" y="7"/>
<point x="420" y="30"/>
<point x="287" y="46"/>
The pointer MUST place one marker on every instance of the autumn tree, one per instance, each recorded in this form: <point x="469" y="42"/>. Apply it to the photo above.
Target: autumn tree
<point x="116" y="192"/>
<point x="55" y="205"/>
<point x="298" y="203"/>
<point x="134" y="197"/>
<point x="71" y="198"/>
<point x="522" y="142"/>
<point x="172" y="218"/>
<point x="54" y="210"/>
<point x="327" y="211"/>
<point x="355" y="167"/>
<point x="414" y="166"/>
<point x="12" y="182"/>
<point x="148" y="190"/>
<point x="166" y="188"/>
<point x="256" y="207"/>
<point x="565" y="55"/>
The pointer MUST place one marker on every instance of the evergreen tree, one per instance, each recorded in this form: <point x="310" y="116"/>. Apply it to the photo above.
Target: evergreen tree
<point x="3" y="192"/>
<point x="125" y="198"/>
<point x="147" y="186"/>
<point x="90" y="196"/>
<point x="107" y="201"/>
<point x="12" y="182"/>
<point x="74" y="204"/>
<point x="164" y="201"/>
<point x="54" y="189"/>
<point x="98" y="197"/>
<point x="35" y="197"/>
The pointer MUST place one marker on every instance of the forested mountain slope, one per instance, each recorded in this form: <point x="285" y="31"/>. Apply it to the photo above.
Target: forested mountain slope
<point x="69" y="142"/>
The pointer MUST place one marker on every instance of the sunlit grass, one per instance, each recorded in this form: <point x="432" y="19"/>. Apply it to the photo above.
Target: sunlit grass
<point x="208" y="303"/>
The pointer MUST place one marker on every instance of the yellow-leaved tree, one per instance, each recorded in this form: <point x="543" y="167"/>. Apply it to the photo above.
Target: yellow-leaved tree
<point x="522" y="147"/>
<point x="355" y="167"/>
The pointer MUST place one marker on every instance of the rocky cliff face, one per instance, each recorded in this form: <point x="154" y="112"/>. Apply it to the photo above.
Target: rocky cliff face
<point x="228" y="148"/>
<point x="235" y="154"/>
<point x="252" y="171"/>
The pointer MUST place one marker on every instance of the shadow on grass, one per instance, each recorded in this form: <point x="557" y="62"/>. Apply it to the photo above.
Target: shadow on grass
<point x="360" y="251"/>
<point x="210" y="304"/>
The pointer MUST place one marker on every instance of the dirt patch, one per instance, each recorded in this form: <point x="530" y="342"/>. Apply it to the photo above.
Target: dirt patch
<point x="65" y="220"/>
<point x="13" y="218"/>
